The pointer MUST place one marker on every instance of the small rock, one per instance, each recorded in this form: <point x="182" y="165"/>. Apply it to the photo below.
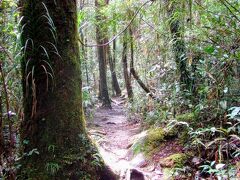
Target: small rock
<point x="111" y="123"/>
<point x="139" y="161"/>
<point x="136" y="175"/>
<point x="196" y="161"/>
<point x="150" y="168"/>
<point x="158" y="172"/>
<point x="129" y="145"/>
<point x="104" y="119"/>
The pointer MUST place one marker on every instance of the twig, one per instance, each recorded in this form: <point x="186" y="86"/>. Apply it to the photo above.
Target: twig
<point x="234" y="15"/>
<point x="232" y="6"/>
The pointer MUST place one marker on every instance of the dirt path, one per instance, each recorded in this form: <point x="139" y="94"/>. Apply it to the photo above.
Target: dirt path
<point x="114" y="134"/>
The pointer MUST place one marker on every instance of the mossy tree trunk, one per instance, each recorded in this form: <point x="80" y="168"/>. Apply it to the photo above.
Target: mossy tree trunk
<point x="54" y="141"/>
<point x="179" y="47"/>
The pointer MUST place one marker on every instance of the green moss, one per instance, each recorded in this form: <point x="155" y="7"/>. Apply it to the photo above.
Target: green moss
<point x="187" y="117"/>
<point x="154" y="139"/>
<point x="174" y="161"/>
<point x="167" y="174"/>
<point x="184" y="137"/>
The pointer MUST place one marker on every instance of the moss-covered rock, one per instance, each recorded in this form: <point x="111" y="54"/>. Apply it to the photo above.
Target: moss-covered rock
<point x="174" y="161"/>
<point x="167" y="174"/>
<point x="184" y="137"/>
<point x="153" y="139"/>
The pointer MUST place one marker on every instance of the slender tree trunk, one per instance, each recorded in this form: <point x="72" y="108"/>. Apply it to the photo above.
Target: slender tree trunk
<point x="10" y="143"/>
<point x="112" y="64"/>
<point x="1" y="132"/>
<point x="103" y="91"/>
<point x="111" y="59"/>
<point x="84" y="50"/>
<point x="54" y="141"/>
<point x="84" y="54"/>
<point x="132" y="70"/>
<point x="127" y="76"/>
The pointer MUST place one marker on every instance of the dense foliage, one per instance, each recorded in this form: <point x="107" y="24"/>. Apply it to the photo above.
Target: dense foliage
<point x="183" y="64"/>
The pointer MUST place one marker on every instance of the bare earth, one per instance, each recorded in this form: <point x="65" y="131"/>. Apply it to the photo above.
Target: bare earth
<point x="114" y="135"/>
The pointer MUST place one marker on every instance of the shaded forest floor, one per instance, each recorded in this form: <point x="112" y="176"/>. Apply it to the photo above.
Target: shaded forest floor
<point x="115" y="136"/>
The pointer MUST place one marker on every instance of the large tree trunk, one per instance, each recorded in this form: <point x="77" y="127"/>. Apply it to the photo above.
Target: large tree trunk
<point x="103" y="87"/>
<point x="54" y="141"/>
<point x="126" y="74"/>
<point x="179" y="48"/>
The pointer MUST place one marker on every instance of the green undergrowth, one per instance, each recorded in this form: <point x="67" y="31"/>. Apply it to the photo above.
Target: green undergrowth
<point x="76" y="162"/>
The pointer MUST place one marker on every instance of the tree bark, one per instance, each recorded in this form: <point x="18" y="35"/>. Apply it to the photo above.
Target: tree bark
<point x="112" y="61"/>
<point x="126" y="74"/>
<point x="85" y="58"/>
<point x="103" y="91"/>
<point x="133" y="71"/>
<point x="54" y="141"/>
<point x="1" y="132"/>
<point x="179" y="48"/>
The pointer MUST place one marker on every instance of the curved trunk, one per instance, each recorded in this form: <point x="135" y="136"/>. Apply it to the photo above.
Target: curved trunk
<point x="133" y="71"/>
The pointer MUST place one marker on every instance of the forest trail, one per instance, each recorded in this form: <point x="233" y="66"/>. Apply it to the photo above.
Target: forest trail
<point x="114" y="135"/>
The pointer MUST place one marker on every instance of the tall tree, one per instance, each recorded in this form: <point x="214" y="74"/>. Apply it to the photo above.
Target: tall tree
<point x="84" y="51"/>
<point x="132" y="69"/>
<point x="1" y="132"/>
<point x="112" y="65"/>
<point x="126" y="74"/>
<point x="179" y="47"/>
<point x="54" y="141"/>
<point x="100" y="37"/>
